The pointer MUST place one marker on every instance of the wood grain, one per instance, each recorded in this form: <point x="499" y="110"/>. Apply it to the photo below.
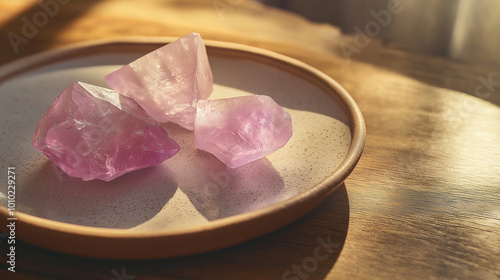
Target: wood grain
<point x="423" y="202"/>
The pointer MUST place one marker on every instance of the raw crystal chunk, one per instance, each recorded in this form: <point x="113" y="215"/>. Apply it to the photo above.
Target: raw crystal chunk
<point x="168" y="81"/>
<point x="94" y="133"/>
<point x="242" y="129"/>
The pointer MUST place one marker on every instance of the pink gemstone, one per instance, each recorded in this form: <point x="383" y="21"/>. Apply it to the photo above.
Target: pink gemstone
<point x="168" y="81"/>
<point x="94" y="133"/>
<point x="242" y="129"/>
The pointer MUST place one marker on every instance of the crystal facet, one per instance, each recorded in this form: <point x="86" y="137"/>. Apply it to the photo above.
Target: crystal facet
<point x="94" y="133"/>
<point x="242" y="129"/>
<point x="168" y="81"/>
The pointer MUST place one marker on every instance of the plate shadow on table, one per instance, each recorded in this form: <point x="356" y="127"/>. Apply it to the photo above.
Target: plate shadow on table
<point x="267" y="257"/>
<point x="124" y="202"/>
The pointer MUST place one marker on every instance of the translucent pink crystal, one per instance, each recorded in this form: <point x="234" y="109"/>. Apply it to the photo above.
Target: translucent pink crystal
<point x="242" y="129"/>
<point x="94" y="133"/>
<point x="168" y="81"/>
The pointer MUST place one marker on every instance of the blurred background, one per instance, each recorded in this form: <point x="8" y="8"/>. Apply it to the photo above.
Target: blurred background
<point x="464" y="30"/>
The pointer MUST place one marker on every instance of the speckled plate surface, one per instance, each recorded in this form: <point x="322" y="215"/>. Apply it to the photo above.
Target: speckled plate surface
<point x="191" y="203"/>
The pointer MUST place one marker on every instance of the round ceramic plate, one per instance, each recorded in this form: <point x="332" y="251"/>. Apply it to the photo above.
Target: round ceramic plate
<point x="192" y="202"/>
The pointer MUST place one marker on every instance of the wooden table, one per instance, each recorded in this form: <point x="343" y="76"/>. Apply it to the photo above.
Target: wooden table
<point x="423" y="202"/>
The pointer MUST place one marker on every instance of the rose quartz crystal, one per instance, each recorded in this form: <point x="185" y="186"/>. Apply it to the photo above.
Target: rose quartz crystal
<point x="94" y="133"/>
<point x="242" y="129"/>
<point x="168" y="81"/>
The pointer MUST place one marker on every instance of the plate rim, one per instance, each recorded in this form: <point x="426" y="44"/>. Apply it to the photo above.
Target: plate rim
<point x="308" y="199"/>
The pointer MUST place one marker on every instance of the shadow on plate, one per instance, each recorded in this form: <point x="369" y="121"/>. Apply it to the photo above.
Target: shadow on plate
<point x="218" y="191"/>
<point x="229" y="192"/>
<point x="122" y="203"/>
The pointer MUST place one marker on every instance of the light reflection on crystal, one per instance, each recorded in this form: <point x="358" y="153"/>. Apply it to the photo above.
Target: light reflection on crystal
<point x="242" y="129"/>
<point x="89" y="137"/>
<point x="168" y="81"/>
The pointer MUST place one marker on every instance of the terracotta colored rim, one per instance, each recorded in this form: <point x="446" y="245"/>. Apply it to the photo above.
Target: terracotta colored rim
<point x="122" y="244"/>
